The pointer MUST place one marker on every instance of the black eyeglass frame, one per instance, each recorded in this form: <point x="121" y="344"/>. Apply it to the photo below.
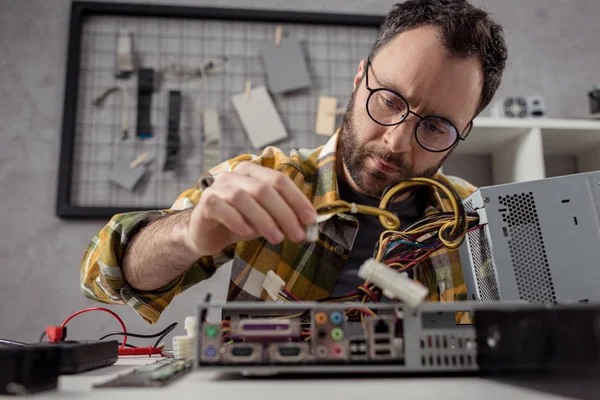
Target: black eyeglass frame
<point x="459" y="136"/>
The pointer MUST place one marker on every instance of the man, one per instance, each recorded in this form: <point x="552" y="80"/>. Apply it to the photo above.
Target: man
<point x="435" y="65"/>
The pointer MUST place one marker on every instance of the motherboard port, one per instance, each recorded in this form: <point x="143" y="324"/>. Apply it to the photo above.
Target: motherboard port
<point x="382" y="327"/>
<point x="264" y="328"/>
<point x="337" y="334"/>
<point x="338" y="351"/>
<point x="380" y="341"/>
<point x="210" y="351"/>
<point x="243" y="352"/>
<point x="383" y="353"/>
<point x="211" y="331"/>
<point x="288" y="352"/>
<point x="336" y="317"/>
<point x="358" y="348"/>
<point x="322" y="351"/>
<point x="320" y="318"/>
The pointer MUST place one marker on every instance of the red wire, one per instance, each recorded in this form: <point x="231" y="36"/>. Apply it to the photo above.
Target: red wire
<point x="290" y="294"/>
<point x="140" y="351"/>
<point x="101" y="309"/>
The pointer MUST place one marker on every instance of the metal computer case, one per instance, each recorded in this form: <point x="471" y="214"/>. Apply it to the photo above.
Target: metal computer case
<point x="540" y="242"/>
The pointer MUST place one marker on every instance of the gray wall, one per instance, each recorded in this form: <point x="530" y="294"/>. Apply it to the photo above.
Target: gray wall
<point x="554" y="51"/>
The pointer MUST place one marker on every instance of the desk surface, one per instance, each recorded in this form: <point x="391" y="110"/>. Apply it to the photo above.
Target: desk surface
<point x="213" y="386"/>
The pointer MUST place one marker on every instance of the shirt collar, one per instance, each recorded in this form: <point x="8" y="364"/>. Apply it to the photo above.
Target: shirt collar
<point x="326" y="187"/>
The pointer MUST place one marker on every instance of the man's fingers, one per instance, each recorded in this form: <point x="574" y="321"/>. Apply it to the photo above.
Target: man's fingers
<point x="260" y="220"/>
<point x="227" y="215"/>
<point x="297" y="200"/>
<point x="273" y="203"/>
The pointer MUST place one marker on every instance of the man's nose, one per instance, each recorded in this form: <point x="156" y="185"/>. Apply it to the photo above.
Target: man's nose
<point x="399" y="138"/>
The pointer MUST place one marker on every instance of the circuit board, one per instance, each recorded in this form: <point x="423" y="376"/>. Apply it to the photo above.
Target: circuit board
<point x="318" y="335"/>
<point x="267" y="338"/>
<point x="159" y="373"/>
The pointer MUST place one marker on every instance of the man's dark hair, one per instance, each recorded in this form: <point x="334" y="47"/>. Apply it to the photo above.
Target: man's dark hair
<point x="466" y="31"/>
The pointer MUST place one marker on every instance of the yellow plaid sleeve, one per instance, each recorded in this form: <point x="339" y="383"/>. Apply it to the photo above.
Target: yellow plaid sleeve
<point x="101" y="278"/>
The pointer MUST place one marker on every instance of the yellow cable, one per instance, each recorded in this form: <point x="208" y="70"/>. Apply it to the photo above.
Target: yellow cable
<point x="391" y="222"/>
<point x="388" y="219"/>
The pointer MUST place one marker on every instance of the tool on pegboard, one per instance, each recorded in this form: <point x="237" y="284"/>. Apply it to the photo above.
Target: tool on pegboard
<point x="173" y="139"/>
<point x="144" y="105"/>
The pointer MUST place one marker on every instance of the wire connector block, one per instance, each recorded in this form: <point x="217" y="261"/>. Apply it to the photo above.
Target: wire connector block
<point x="273" y="284"/>
<point x="183" y="347"/>
<point x="393" y="284"/>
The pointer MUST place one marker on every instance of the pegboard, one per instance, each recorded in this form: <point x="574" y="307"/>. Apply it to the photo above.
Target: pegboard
<point x="187" y="37"/>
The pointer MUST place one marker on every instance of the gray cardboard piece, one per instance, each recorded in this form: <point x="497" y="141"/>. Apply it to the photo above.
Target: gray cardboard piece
<point x="285" y="66"/>
<point x="259" y="116"/>
<point x="124" y="176"/>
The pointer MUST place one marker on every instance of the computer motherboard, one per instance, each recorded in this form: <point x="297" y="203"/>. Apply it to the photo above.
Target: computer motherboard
<point x="265" y="338"/>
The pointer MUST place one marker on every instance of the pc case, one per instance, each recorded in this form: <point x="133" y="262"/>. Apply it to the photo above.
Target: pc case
<point x="540" y="242"/>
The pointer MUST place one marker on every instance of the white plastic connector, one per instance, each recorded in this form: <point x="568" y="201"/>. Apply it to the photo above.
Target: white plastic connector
<point x="183" y="346"/>
<point x="393" y="284"/>
<point x="312" y="233"/>
<point x="190" y="324"/>
<point x="273" y="284"/>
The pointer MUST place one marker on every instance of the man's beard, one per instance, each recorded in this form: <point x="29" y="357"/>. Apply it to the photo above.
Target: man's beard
<point x="373" y="182"/>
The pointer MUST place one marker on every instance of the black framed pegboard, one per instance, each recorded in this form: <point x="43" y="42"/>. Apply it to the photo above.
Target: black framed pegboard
<point x="168" y="38"/>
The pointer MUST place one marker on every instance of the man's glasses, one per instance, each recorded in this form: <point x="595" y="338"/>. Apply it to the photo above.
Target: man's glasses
<point x="388" y="108"/>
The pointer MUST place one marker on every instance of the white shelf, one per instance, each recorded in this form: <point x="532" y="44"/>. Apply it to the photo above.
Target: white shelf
<point x="543" y="123"/>
<point x="523" y="149"/>
<point x="560" y="136"/>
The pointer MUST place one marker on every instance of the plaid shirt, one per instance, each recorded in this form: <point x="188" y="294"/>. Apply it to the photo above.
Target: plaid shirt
<point x="310" y="270"/>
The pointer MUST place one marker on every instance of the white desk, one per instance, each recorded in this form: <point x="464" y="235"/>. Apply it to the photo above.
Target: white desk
<point x="212" y="386"/>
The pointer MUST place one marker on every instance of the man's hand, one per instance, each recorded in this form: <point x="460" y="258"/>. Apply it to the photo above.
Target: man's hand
<point x="249" y="202"/>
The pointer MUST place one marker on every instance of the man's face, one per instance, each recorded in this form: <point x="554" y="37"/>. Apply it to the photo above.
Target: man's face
<point x="416" y="65"/>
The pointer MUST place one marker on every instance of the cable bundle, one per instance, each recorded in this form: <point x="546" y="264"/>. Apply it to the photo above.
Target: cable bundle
<point x="402" y="250"/>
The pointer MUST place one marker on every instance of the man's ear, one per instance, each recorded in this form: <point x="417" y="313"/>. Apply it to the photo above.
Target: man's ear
<point x="359" y="73"/>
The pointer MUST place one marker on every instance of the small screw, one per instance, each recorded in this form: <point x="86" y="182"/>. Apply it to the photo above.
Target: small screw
<point x="486" y="199"/>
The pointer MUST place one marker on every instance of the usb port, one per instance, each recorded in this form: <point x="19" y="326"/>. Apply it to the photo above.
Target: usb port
<point x="382" y="341"/>
<point x="382" y="352"/>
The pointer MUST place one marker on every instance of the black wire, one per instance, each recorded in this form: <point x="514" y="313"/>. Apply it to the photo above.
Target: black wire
<point x="167" y="330"/>
<point x="42" y="336"/>
<point x="135" y="335"/>
<point x="13" y="343"/>
<point x="128" y="345"/>
<point x="162" y="334"/>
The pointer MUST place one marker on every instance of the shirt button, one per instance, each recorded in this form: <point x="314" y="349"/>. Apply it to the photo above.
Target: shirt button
<point x="339" y="250"/>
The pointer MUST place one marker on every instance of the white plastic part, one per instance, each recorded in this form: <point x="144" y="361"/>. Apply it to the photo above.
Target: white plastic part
<point x="312" y="233"/>
<point x="183" y="346"/>
<point x="190" y="324"/>
<point x="393" y="284"/>
<point x="125" y="63"/>
<point x="273" y="284"/>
